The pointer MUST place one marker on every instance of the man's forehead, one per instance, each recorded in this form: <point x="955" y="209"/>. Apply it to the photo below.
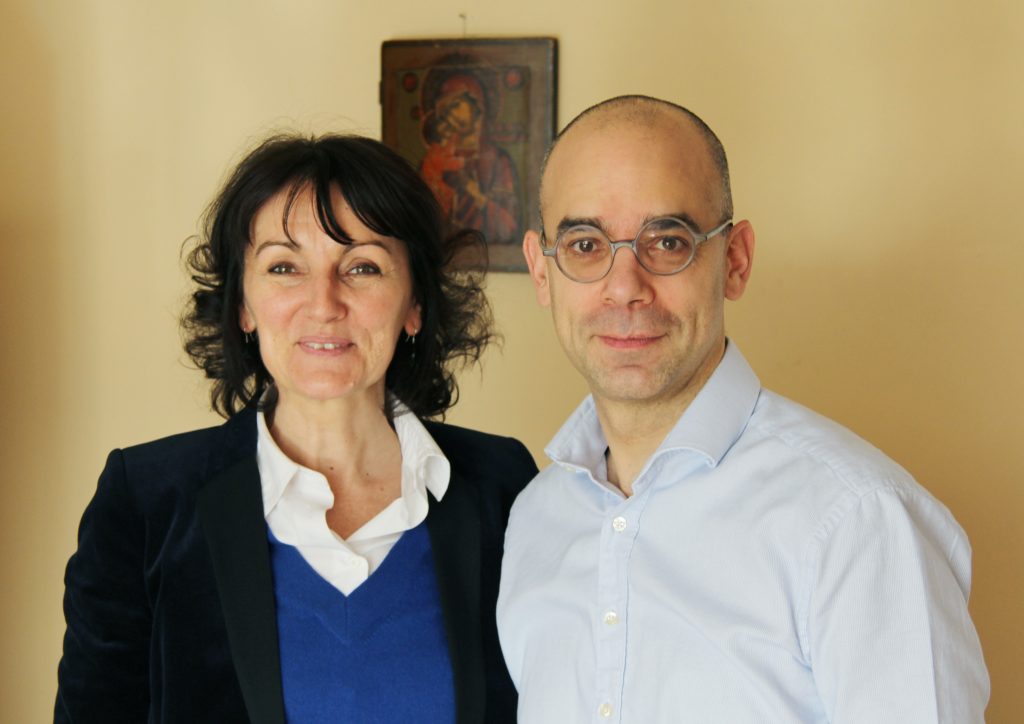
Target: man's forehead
<point x="603" y="162"/>
<point x="653" y="123"/>
<point x="607" y="135"/>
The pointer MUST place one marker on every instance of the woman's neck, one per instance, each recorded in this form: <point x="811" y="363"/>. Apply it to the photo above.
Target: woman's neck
<point x="350" y="442"/>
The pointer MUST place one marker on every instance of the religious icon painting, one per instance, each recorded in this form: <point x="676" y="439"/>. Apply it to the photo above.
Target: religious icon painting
<point x="475" y="116"/>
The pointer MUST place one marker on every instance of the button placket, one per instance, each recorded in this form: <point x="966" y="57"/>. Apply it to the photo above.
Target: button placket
<point x="619" y="531"/>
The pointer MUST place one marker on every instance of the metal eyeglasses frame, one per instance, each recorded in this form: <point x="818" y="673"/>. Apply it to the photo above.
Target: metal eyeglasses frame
<point x="698" y="239"/>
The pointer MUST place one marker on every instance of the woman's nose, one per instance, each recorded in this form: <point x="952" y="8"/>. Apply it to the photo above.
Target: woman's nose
<point x="327" y="298"/>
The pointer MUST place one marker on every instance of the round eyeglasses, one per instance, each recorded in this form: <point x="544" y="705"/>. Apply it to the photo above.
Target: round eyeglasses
<point x="664" y="246"/>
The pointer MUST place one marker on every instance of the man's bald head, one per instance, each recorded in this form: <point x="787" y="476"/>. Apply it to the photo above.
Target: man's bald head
<point x="638" y="111"/>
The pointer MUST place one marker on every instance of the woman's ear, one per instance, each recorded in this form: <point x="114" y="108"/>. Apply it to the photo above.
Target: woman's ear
<point x="413" y="320"/>
<point x="245" y="320"/>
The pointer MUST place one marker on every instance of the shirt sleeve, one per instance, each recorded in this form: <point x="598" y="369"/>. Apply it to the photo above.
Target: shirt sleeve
<point x="889" y="634"/>
<point x="103" y="674"/>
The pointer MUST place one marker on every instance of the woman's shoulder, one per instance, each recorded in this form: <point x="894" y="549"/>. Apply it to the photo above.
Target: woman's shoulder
<point x="232" y="430"/>
<point x="474" y="451"/>
<point x="192" y="455"/>
<point x="158" y="482"/>
<point x="463" y="440"/>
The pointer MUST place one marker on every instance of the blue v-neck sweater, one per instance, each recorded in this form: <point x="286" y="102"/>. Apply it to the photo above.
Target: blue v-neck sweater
<point x="377" y="655"/>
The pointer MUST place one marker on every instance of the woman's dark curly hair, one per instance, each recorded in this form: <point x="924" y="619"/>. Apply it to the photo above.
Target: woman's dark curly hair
<point x="388" y="196"/>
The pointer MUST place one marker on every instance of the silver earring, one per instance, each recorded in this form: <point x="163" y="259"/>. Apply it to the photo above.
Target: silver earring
<point x="412" y="344"/>
<point x="250" y="336"/>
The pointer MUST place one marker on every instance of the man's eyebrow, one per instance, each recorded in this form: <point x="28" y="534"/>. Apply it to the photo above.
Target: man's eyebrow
<point x="681" y="215"/>
<point x="570" y="222"/>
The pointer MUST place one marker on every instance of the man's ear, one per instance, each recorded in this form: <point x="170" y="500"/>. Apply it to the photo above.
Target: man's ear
<point x="739" y="258"/>
<point x="538" y="266"/>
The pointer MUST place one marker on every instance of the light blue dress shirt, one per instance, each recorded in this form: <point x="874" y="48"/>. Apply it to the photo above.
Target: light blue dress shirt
<point x="770" y="566"/>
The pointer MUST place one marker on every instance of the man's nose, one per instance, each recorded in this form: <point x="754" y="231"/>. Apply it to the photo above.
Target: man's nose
<point x="627" y="281"/>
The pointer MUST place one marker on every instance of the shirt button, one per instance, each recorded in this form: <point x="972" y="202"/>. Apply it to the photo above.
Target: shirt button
<point x="611" y="618"/>
<point x="605" y="710"/>
<point x="619" y="524"/>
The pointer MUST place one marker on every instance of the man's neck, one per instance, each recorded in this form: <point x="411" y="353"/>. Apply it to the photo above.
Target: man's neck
<point x="633" y="433"/>
<point x="635" y="429"/>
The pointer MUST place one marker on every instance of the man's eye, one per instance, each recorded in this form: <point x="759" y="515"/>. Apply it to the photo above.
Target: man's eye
<point x="671" y="244"/>
<point x="585" y="245"/>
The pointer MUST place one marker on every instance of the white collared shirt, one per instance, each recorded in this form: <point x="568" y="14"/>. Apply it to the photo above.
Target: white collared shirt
<point x="296" y="500"/>
<point x="770" y="566"/>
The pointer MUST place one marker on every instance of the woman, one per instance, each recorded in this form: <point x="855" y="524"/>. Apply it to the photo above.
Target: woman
<point x="323" y="555"/>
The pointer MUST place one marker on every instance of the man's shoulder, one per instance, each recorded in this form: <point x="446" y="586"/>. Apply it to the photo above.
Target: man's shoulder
<point x="552" y="491"/>
<point x="817" y="442"/>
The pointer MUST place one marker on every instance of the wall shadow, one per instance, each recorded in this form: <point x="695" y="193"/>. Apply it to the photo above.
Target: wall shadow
<point x="34" y="350"/>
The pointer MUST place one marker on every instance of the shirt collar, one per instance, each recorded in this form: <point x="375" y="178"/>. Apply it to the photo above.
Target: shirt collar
<point x="424" y="465"/>
<point x="720" y="411"/>
<point x="708" y="427"/>
<point x="276" y="468"/>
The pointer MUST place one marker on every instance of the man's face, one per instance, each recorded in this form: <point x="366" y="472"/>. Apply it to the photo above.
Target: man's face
<point x="637" y="337"/>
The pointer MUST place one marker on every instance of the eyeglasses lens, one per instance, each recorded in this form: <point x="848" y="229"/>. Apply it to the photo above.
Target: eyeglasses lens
<point x="663" y="246"/>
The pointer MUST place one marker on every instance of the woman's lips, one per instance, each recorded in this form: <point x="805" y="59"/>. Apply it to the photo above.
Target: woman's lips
<point x="324" y="345"/>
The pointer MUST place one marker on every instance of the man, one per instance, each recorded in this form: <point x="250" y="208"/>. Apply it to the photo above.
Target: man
<point x="704" y="550"/>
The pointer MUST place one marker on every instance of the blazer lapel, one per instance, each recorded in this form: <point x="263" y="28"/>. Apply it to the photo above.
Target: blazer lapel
<point x="454" y="527"/>
<point x="231" y="512"/>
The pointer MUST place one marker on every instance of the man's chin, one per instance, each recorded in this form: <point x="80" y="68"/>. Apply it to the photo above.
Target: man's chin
<point x="626" y="385"/>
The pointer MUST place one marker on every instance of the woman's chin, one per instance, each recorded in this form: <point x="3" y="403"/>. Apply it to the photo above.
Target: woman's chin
<point x="327" y="389"/>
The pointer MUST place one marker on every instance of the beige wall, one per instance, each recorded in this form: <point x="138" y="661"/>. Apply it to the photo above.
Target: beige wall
<point x="877" y="146"/>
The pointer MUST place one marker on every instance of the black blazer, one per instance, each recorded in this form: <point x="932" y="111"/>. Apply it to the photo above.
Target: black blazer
<point x="169" y="598"/>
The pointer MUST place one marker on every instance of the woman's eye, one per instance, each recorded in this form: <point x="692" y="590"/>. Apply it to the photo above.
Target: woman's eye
<point x="364" y="268"/>
<point x="282" y="268"/>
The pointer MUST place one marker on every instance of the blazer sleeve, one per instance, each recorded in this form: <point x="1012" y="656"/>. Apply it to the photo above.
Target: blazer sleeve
<point x="103" y="673"/>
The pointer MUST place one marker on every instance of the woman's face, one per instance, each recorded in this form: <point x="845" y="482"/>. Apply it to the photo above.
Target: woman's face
<point x="328" y="315"/>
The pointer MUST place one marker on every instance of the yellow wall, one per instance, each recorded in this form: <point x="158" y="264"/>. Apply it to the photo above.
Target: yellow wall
<point x="877" y="146"/>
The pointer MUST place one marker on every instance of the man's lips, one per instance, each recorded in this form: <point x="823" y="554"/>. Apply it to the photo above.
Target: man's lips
<point x="633" y="341"/>
<point x="622" y="329"/>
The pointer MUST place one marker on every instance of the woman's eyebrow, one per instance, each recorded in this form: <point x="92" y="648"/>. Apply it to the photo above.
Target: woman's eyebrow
<point x="275" y="242"/>
<point x="371" y="242"/>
